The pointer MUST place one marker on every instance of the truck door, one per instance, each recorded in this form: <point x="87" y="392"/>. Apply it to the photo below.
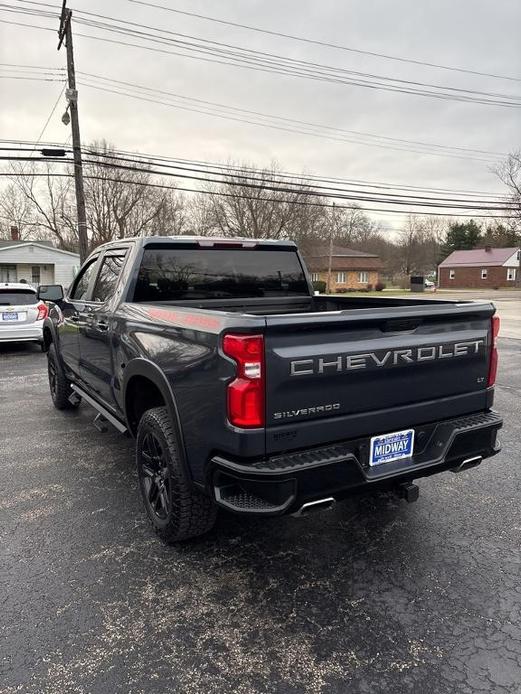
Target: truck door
<point x="95" y="333"/>
<point x="73" y="309"/>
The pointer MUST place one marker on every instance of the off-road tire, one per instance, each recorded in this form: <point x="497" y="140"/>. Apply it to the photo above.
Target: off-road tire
<point x="59" y="384"/>
<point x="189" y="513"/>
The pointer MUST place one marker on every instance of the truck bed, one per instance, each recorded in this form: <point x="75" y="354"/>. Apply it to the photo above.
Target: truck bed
<point x="315" y="304"/>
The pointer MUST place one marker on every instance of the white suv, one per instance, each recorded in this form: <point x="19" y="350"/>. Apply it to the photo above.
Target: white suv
<point x="21" y="313"/>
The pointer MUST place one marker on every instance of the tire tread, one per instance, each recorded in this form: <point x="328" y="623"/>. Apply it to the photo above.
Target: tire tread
<point x="63" y="385"/>
<point x="193" y="513"/>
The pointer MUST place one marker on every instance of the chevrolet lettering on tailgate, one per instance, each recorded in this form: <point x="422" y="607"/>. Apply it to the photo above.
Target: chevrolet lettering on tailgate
<point x="367" y="360"/>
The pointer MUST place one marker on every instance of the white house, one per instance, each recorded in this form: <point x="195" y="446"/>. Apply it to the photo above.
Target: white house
<point x="36" y="263"/>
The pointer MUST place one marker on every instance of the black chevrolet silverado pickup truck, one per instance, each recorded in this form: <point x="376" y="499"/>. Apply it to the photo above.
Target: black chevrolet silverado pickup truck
<point x="245" y="390"/>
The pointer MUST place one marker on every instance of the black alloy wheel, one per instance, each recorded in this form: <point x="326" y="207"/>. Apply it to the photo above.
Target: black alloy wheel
<point x="155" y="477"/>
<point x="175" y="507"/>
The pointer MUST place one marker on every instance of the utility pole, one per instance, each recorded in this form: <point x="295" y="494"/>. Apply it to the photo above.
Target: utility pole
<point x="65" y="33"/>
<point x="330" y="259"/>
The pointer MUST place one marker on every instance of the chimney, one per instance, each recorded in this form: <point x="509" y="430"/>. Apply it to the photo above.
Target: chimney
<point x="488" y="249"/>
<point x="15" y="234"/>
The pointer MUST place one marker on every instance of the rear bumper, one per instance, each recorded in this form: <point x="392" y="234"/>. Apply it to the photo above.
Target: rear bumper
<point x="283" y="483"/>
<point x="31" y="332"/>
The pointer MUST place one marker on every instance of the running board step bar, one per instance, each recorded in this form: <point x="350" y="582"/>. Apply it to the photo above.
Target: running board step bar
<point x="103" y="417"/>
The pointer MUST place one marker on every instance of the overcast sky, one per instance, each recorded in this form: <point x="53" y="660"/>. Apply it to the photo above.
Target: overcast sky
<point x="474" y="34"/>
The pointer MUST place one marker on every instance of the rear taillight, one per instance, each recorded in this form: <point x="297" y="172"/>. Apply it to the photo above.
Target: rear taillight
<point x="43" y="311"/>
<point x="492" y="367"/>
<point x="246" y="391"/>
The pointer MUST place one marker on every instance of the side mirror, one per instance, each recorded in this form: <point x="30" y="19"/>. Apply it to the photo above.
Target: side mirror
<point x="50" y="292"/>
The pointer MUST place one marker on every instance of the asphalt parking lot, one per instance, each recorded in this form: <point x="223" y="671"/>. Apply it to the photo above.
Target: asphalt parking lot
<point x="375" y="596"/>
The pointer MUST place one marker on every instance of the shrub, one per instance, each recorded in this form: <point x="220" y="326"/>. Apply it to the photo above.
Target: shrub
<point x="379" y="286"/>
<point x="319" y="286"/>
<point x="369" y="287"/>
<point x="342" y="290"/>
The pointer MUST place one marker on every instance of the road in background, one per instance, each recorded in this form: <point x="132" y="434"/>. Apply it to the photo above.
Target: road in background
<point x="375" y="596"/>
<point x="507" y="302"/>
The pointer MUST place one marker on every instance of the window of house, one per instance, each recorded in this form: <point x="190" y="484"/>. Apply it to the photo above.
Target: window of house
<point x="484" y="273"/>
<point x="452" y="274"/>
<point x="340" y="277"/>
<point x="315" y="277"/>
<point x="8" y="273"/>
<point x="363" y="277"/>
<point x="35" y="274"/>
<point x="511" y="274"/>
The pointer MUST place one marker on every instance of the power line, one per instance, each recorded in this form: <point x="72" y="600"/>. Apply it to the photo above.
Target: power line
<point x="222" y="47"/>
<point x="325" y="43"/>
<point x="307" y="69"/>
<point x="296" y="182"/>
<point x="32" y="67"/>
<point x="285" y="119"/>
<point x="278" y="188"/>
<point x="301" y="175"/>
<point x="29" y="79"/>
<point x="50" y="116"/>
<point x="282" y="128"/>
<point x="256" y="176"/>
<point x="149" y="99"/>
<point x="221" y="167"/>
<point x="298" y="202"/>
<point x="428" y="147"/>
<point x="263" y="61"/>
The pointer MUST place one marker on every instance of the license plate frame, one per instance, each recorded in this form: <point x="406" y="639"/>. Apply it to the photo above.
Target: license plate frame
<point x="7" y="316"/>
<point x="388" y="448"/>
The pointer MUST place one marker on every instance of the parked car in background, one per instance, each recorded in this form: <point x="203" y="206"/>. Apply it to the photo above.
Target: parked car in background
<point x="21" y="313"/>
<point x="428" y="284"/>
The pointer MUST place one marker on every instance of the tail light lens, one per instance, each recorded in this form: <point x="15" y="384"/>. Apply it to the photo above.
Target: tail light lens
<point x="43" y="311"/>
<point x="492" y="368"/>
<point x="246" y="392"/>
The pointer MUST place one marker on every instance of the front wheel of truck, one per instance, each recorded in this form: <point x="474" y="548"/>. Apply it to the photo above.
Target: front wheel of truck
<point x="176" y="510"/>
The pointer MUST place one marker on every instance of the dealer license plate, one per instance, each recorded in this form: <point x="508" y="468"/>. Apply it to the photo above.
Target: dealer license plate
<point x="389" y="447"/>
<point x="9" y="316"/>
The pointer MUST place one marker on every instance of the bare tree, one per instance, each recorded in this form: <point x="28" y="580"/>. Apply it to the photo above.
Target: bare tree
<point x="124" y="201"/>
<point x="120" y="202"/>
<point x="15" y="210"/>
<point x="417" y="247"/>
<point x="49" y="202"/>
<point x="355" y="228"/>
<point x="258" y="204"/>
<point x="509" y="172"/>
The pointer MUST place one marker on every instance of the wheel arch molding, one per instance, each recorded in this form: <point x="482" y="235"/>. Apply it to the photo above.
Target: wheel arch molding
<point x="141" y="372"/>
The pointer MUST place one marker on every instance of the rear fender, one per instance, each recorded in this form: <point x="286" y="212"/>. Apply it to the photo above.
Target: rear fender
<point x="50" y="334"/>
<point x="147" y="369"/>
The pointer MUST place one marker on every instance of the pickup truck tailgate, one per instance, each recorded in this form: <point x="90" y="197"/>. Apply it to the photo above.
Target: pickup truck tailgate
<point x="339" y="375"/>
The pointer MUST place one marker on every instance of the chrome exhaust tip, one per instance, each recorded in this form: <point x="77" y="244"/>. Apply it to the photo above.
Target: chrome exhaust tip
<point x="468" y="463"/>
<point x="319" y="505"/>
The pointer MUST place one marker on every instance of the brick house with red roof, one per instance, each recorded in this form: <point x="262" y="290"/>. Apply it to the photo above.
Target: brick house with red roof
<point x="350" y="269"/>
<point x="480" y="268"/>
